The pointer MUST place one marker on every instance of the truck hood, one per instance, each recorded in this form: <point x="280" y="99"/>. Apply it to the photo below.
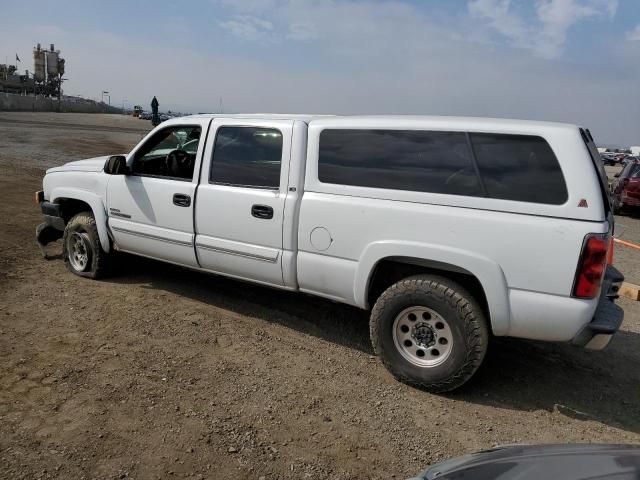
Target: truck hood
<point x="89" y="165"/>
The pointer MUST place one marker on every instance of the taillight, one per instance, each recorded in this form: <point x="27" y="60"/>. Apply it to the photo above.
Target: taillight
<point x="593" y="261"/>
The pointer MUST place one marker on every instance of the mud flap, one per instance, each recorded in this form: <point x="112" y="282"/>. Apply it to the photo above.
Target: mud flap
<point x="46" y="234"/>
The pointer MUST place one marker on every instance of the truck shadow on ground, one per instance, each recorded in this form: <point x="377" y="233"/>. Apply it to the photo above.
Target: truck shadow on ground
<point x="599" y="386"/>
<point x="334" y="322"/>
<point x="519" y="375"/>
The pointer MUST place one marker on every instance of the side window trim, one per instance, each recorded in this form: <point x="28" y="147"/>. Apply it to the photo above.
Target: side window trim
<point x="161" y="177"/>
<point x="240" y="185"/>
<point x="210" y="179"/>
<point x="476" y="167"/>
<point x="600" y="174"/>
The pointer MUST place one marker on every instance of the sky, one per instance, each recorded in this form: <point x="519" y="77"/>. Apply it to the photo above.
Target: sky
<point x="575" y="61"/>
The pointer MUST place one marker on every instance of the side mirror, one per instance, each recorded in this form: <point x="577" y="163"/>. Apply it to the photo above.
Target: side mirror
<point x="116" y="165"/>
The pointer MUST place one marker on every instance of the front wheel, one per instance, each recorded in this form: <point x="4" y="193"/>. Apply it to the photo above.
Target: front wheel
<point x="429" y="332"/>
<point x="82" y="251"/>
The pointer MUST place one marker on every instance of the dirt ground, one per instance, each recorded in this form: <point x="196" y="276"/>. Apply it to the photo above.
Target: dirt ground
<point x="159" y="372"/>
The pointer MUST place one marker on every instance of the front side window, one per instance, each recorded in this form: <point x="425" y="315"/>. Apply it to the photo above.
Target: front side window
<point x="420" y="161"/>
<point x="519" y="167"/>
<point x="171" y="152"/>
<point x="247" y="157"/>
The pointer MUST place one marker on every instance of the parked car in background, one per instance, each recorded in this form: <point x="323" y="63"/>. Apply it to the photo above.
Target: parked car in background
<point x="625" y="188"/>
<point x="533" y="462"/>
<point x="615" y="158"/>
<point x="608" y="159"/>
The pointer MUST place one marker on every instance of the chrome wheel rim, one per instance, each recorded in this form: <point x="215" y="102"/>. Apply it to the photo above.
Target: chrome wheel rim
<point x="79" y="251"/>
<point x="422" y="336"/>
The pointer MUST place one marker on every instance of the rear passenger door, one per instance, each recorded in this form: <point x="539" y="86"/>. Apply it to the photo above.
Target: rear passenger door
<point x="240" y="199"/>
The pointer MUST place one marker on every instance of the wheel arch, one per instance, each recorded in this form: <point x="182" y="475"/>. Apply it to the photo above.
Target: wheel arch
<point x="384" y="263"/>
<point x="74" y="201"/>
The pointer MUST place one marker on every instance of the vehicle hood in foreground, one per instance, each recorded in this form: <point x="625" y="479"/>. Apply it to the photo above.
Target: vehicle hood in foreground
<point x="534" y="462"/>
<point x="89" y="165"/>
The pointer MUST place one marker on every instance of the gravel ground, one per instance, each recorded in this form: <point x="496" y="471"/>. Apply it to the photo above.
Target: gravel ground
<point x="160" y="372"/>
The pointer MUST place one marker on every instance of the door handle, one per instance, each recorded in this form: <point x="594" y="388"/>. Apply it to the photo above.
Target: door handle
<point x="262" y="211"/>
<point x="181" y="200"/>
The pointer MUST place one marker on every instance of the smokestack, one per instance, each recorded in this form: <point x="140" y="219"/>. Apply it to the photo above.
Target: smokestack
<point x="52" y="47"/>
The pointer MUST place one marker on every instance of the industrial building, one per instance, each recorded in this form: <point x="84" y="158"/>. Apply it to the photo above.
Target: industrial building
<point x="45" y="79"/>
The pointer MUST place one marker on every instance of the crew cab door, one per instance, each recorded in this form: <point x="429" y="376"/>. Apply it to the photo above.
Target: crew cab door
<point x="241" y="198"/>
<point x="150" y="209"/>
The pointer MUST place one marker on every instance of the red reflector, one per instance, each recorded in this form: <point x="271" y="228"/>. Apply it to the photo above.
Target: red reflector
<point x="593" y="261"/>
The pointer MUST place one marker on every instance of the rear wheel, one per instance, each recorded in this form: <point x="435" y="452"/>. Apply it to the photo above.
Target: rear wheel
<point x="429" y="332"/>
<point x="82" y="251"/>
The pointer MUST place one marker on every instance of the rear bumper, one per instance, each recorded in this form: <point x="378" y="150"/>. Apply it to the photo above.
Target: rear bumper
<point x="608" y="316"/>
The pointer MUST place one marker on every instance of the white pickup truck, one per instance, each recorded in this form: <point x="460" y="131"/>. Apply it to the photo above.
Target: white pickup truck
<point x="448" y="229"/>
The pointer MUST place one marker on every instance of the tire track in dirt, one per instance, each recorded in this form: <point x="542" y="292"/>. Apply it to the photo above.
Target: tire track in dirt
<point x="73" y="126"/>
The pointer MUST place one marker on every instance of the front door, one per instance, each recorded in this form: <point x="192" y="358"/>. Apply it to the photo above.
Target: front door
<point x="150" y="210"/>
<point x="241" y="197"/>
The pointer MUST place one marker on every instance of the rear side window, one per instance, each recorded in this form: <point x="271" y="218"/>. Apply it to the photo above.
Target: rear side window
<point x="247" y="157"/>
<point x="421" y="161"/>
<point x="519" y="167"/>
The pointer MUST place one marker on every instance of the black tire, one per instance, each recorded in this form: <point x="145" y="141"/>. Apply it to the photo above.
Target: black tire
<point x="464" y="320"/>
<point x="82" y="227"/>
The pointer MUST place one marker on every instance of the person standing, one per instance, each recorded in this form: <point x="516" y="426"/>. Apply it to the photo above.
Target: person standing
<point x="155" y="119"/>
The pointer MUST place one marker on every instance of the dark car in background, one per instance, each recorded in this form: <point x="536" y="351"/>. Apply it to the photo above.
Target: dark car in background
<point x="538" y="462"/>
<point x="612" y="159"/>
<point x="608" y="159"/>
<point x="625" y="188"/>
